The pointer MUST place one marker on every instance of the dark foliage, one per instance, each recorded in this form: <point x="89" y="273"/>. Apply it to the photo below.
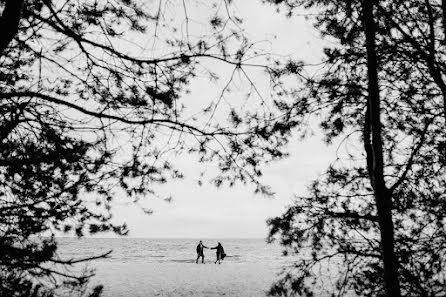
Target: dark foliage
<point x="91" y="107"/>
<point x="335" y="230"/>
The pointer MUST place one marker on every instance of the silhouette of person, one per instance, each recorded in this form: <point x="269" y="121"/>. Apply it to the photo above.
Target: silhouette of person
<point x="220" y="253"/>
<point x="200" y="253"/>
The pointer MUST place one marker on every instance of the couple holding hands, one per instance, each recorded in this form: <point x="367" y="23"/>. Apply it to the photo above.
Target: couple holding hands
<point x="220" y="252"/>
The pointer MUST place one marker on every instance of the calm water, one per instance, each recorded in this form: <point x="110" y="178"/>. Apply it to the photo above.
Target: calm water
<point x="145" y="250"/>
<point x="140" y="267"/>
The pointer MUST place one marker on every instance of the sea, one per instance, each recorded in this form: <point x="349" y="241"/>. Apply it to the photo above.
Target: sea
<point x="142" y="267"/>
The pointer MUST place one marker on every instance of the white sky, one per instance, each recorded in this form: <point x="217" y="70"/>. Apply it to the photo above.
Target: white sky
<point x="208" y="212"/>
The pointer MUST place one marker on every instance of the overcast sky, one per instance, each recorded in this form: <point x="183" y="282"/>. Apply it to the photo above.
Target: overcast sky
<point x="208" y="212"/>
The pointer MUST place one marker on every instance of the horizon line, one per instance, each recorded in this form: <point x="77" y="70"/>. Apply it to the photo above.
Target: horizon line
<point x="170" y="237"/>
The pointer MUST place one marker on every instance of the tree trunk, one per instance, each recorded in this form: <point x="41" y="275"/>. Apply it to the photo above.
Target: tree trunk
<point x="375" y="160"/>
<point x="9" y="22"/>
<point x="432" y="27"/>
<point x="443" y="7"/>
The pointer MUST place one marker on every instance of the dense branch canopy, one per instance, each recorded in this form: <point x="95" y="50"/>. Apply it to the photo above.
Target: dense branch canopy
<point x="96" y="99"/>
<point x="337" y="219"/>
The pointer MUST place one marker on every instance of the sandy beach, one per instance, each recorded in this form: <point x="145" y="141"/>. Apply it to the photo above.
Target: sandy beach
<point x="166" y="267"/>
<point x="184" y="279"/>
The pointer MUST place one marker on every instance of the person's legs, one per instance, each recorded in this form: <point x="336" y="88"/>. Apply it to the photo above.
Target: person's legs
<point x="202" y="259"/>
<point x="198" y="257"/>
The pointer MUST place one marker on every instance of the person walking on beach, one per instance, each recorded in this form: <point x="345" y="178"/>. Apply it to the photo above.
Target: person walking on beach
<point x="200" y="253"/>
<point x="220" y="253"/>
